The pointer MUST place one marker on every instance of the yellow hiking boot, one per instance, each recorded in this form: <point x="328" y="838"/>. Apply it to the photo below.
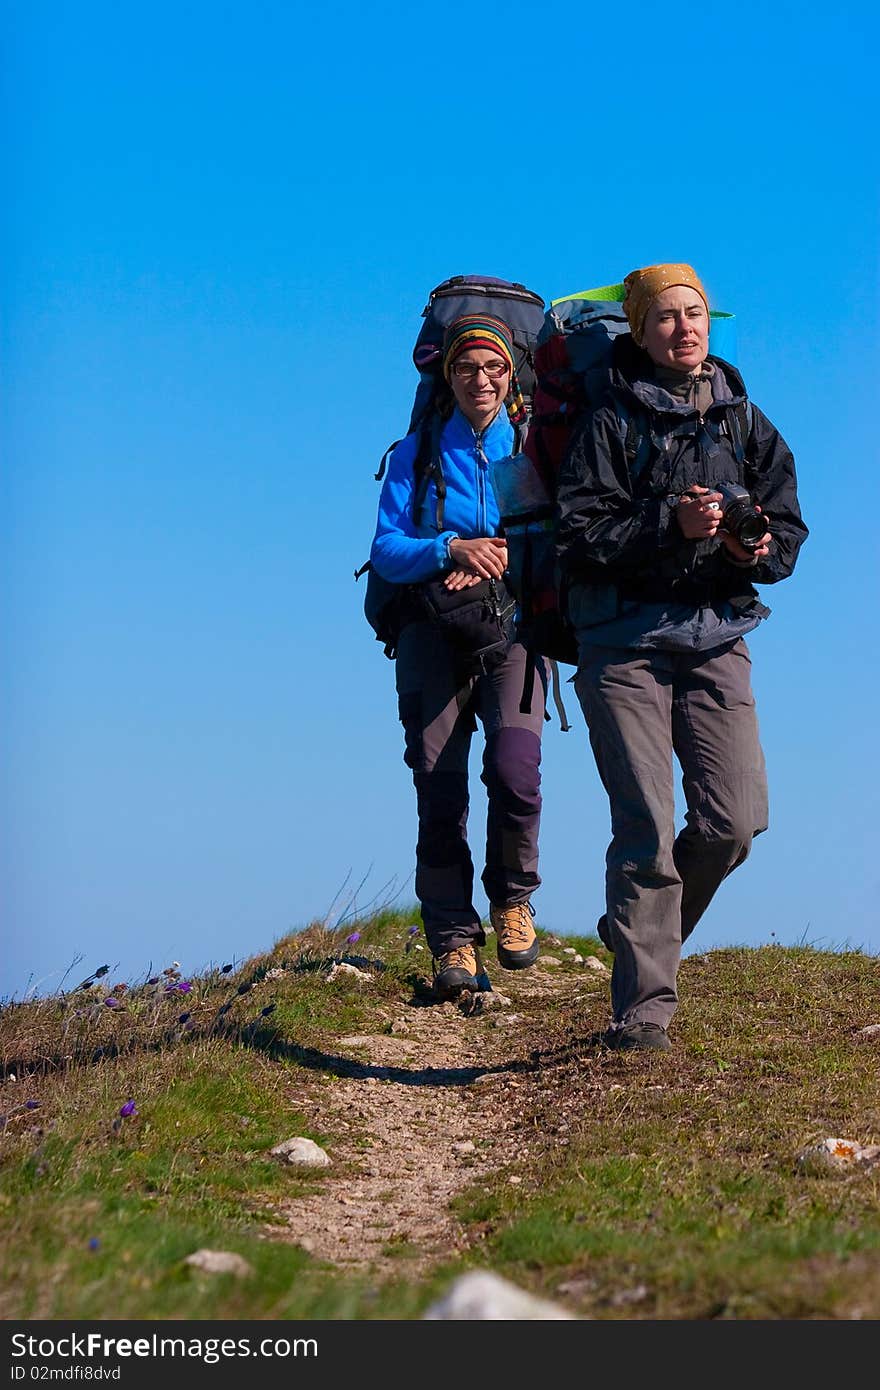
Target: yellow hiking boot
<point x="457" y="970"/>
<point x="517" y="942"/>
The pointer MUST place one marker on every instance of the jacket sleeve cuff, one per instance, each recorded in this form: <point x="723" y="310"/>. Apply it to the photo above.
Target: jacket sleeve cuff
<point x="443" y="557"/>
<point x="669" y="534"/>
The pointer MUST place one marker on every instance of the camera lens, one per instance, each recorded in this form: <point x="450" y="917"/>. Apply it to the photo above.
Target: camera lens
<point x="740" y="517"/>
<point x="743" y="522"/>
<point x="750" y="530"/>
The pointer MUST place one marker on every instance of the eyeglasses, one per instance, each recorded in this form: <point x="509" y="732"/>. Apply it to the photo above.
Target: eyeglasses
<point x="468" y="370"/>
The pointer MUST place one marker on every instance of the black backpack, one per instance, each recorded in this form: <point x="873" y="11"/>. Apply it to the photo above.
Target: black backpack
<point x="385" y="605"/>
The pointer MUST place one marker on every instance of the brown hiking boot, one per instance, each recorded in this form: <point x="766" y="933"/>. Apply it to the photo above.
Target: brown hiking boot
<point x="455" y="971"/>
<point x="517" y="943"/>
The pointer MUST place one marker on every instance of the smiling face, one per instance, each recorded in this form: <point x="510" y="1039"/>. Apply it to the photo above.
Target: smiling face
<point x="676" y="331"/>
<point x="478" y="395"/>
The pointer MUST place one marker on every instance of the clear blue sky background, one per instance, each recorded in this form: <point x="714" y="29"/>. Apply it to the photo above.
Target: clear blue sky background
<point x="221" y="225"/>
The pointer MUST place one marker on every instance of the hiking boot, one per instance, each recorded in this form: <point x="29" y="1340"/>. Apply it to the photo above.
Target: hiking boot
<point x="455" y="971"/>
<point x="642" y="1036"/>
<point x="517" y="943"/>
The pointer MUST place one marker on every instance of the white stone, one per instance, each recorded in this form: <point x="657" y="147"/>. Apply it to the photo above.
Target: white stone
<point x="465" y="1146"/>
<point x="871" y="1031"/>
<point x="569" y="951"/>
<point x="343" y="968"/>
<point x="304" y="1153"/>
<point x="836" y="1156"/>
<point x="219" y="1262"/>
<point x="550" y="961"/>
<point x="489" y="999"/>
<point x="483" y="1296"/>
<point x="597" y="966"/>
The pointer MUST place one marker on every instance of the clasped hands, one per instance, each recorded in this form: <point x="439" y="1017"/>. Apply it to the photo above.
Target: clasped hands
<point x="484" y="557"/>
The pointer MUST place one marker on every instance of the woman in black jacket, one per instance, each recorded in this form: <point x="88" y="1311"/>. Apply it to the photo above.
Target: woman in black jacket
<point x="676" y="497"/>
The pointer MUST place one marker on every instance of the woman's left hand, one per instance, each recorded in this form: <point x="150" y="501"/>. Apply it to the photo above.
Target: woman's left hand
<point x="460" y="579"/>
<point x="739" y="552"/>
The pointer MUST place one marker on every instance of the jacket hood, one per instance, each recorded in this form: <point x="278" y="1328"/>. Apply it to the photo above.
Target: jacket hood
<point x="633" y="376"/>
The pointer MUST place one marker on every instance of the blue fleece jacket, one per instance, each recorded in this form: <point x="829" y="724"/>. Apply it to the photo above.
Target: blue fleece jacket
<point x="404" y="553"/>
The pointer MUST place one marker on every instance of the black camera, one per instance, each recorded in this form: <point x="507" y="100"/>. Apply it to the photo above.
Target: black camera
<point x="740" y="516"/>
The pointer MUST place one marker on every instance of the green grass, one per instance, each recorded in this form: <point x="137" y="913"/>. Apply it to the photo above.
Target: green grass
<point x="652" y="1185"/>
<point x="681" y="1170"/>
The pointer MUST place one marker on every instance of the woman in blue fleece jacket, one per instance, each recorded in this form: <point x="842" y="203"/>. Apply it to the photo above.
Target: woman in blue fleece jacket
<point x="438" y="703"/>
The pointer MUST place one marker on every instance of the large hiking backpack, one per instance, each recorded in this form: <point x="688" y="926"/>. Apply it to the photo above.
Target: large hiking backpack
<point x="523" y="312"/>
<point x="572" y="370"/>
<point x="521" y="309"/>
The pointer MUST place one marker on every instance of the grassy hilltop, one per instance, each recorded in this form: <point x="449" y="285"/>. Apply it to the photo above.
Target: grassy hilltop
<point x="138" y="1119"/>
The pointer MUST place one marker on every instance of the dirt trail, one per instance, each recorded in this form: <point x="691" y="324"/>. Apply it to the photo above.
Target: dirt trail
<point x="434" y="1105"/>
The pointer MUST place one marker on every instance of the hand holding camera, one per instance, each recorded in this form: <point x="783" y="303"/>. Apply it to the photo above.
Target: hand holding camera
<point x="698" y="513"/>
<point x="728" y="511"/>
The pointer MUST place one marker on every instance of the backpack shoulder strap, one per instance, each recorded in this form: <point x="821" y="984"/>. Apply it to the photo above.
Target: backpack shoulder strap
<point x="638" y="440"/>
<point x="745" y="419"/>
<point x="741" y="431"/>
<point x="428" y="468"/>
<point x="383" y="462"/>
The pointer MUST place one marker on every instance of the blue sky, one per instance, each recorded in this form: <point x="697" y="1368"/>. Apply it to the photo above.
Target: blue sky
<point x="223" y="224"/>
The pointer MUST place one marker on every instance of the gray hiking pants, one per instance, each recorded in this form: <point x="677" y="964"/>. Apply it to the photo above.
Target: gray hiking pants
<point x="438" y="709"/>
<point x="641" y="707"/>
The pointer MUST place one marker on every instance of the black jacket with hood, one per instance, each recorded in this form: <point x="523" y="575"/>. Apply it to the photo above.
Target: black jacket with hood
<point x="629" y="461"/>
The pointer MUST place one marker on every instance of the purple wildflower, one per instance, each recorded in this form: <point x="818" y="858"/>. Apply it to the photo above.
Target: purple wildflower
<point x="101" y="971"/>
<point x="413" y="931"/>
<point x="184" y="986"/>
<point x="32" y="1105"/>
<point x="111" y="1003"/>
<point x="243" y="988"/>
<point x="94" y="1243"/>
<point x="264" y="1013"/>
<point x="355" y="936"/>
<point x="226" y="969"/>
<point x="182" y="1018"/>
<point x="153" y="980"/>
<point x="129" y="1108"/>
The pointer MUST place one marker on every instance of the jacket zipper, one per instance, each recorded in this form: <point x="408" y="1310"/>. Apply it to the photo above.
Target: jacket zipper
<point x="482" y="469"/>
<point x="494" y="600"/>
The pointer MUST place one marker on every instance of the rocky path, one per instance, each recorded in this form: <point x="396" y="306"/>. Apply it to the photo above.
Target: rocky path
<point x="431" y="1106"/>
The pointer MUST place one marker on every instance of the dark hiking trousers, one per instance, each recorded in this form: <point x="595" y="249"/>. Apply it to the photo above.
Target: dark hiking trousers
<point x="641" y="707"/>
<point x="438" y="709"/>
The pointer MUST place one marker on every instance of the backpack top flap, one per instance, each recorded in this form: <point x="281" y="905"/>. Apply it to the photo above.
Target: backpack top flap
<point x="589" y="327"/>
<point x="521" y="309"/>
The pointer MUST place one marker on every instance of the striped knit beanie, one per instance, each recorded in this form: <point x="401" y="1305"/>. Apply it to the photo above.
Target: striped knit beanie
<point x="484" y="331"/>
<point x="643" y="286"/>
